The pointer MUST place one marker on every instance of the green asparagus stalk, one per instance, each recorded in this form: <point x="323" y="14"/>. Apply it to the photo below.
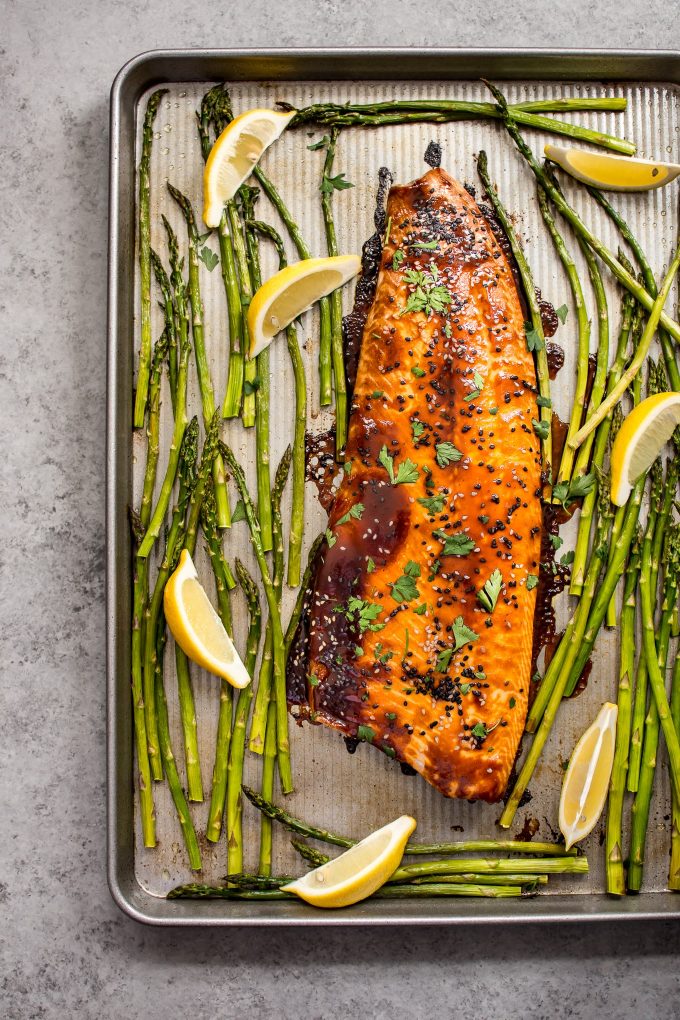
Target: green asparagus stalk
<point x="246" y="295"/>
<point x="144" y="228"/>
<point x="234" y="803"/>
<point x="493" y="866"/>
<point x="674" y="870"/>
<point x="146" y="803"/>
<point x="324" y="304"/>
<point x="620" y="272"/>
<point x="168" y="307"/>
<point x="306" y="581"/>
<point x="637" y="361"/>
<point x="616" y="880"/>
<point x="179" y="308"/>
<point x="545" y="411"/>
<point x="298" y="500"/>
<point x="642" y="802"/>
<point x="293" y="824"/>
<point x="224" y="719"/>
<point x="336" y="347"/>
<point x="169" y="763"/>
<point x="602" y="358"/>
<point x="195" y="890"/>
<point x="153" y="434"/>
<point x="263" y="372"/>
<point x="203" y="370"/>
<point x="283" y="747"/>
<point x="648" y="279"/>
<point x="264" y="865"/>
<point x="596" y="617"/>
<point x="216" y="109"/>
<point x="565" y="465"/>
<point x="442" y="112"/>
<point x="161" y="508"/>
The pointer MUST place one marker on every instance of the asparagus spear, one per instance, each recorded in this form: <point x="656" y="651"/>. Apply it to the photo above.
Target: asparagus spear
<point x="565" y="465"/>
<point x="298" y="501"/>
<point x="144" y="228"/>
<point x="545" y="412"/>
<point x="282" y="742"/>
<point x="642" y="802"/>
<point x="442" y="112"/>
<point x="264" y="865"/>
<point x="203" y="370"/>
<point x="216" y="107"/>
<point x="493" y="866"/>
<point x="293" y="824"/>
<point x="146" y="803"/>
<point x="168" y="307"/>
<point x="619" y="271"/>
<point x="674" y="870"/>
<point x="596" y="616"/>
<point x="616" y="881"/>
<point x="336" y="349"/>
<point x="306" y="580"/>
<point x="234" y="777"/>
<point x="602" y="357"/>
<point x="224" y="719"/>
<point x="169" y="763"/>
<point x="195" y="890"/>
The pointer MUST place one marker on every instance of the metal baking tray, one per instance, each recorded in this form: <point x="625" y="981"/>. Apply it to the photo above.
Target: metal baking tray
<point x="352" y="794"/>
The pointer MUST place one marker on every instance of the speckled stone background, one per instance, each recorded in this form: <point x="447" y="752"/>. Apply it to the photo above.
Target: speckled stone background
<point x="65" y="950"/>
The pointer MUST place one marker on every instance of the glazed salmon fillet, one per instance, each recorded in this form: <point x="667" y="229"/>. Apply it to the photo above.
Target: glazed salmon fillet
<point x="418" y="624"/>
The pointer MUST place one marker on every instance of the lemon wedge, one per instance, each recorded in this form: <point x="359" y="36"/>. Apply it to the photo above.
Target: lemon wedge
<point x="197" y="628"/>
<point x="292" y="291"/>
<point x="613" y="173"/>
<point x="358" y="872"/>
<point x="586" y="782"/>
<point x="639" y="441"/>
<point x="233" y="156"/>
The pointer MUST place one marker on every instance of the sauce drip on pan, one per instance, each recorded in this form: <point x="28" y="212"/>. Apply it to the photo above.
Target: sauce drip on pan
<point x="555" y="356"/>
<point x="320" y="466"/>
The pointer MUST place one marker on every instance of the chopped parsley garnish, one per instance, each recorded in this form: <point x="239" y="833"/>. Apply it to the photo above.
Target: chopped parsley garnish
<point x="337" y="183"/>
<point x="330" y="538"/>
<point x="347" y="467"/>
<point x="568" y="558"/>
<point x="541" y="428"/>
<point x="487" y="596"/>
<point x="533" y="337"/>
<point x="376" y="394"/>
<point x="354" y="512"/>
<point x="428" y="295"/>
<point x="478" y="384"/>
<point x="565" y="492"/>
<point x="457" y="544"/>
<point x="313" y="680"/>
<point x="404" y="589"/>
<point x="543" y="401"/>
<point x="434" y="570"/>
<point x="443" y="660"/>
<point x="238" y="513"/>
<point x="417" y="372"/>
<point x="417" y="428"/>
<point x="397" y="259"/>
<point x="365" y="733"/>
<point x="434" y="504"/>
<point x="465" y="688"/>
<point x="391" y="716"/>
<point x="425" y="245"/>
<point x="208" y="258"/>
<point x="562" y="313"/>
<point x="419" y="610"/>
<point x="370" y="565"/>
<point x="407" y="471"/>
<point x="556" y="541"/>
<point x="321" y="144"/>
<point x="380" y="656"/>
<point x="362" y="613"/>
<point x="483" y="518"/>
<point x="532" y="581"/>
<point x="446" y="453"/>
<point x="447" y="331"/>
<point x="480" y="730"/>
<point x="512" y="702"/>
<point x="462" y="635"/>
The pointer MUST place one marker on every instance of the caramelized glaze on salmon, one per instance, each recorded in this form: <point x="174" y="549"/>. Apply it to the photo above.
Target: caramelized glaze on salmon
<point x="418" y="627"/>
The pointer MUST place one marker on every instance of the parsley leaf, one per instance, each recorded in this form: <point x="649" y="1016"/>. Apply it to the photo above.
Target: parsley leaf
<point x="251" y="386"/>
<point x="404" y="589"/>
<point x="462" y="635"/>
<point x="532" y="581"/>
<point x="457" y="544"/>
<point x="370" y="565"/>
<point x="407" y="471"/>
<point x="238" y="513"/>
<point x="376" y="394"/>
<point x="446" y="453"/>
<point x="417" y="428"/>
<point x="556" y="541"/>
<point x="321" y="144"/>
<point x="478" y="384"/>
<point x="330" y="538"/>
<point x="365" y="733"/>
<point x="418" y="372"/>
<point x="443" y="660"/>
<point x="541" y="428"/>
<point x="421" y="609"/>
<point x="568" y="558"/>
<point x="565" y="493"/>
<point x="380" y="656"/>
<point x="543" y="401"/>
<point x="487" y="596"/>
<point x="428" y="295"/>
<point x="562" y="313"/>
<point x="433" y="505"/>
<point x="425" y="245"/>
<point x="362" y="613"/>
<point x="354" y="512"/>
<point x="337" y="183"/>
<point x="208" y="258"/>
<point x="533" y="337"/>
<point x="397" y="259"/>
<point x="480" y="730"/>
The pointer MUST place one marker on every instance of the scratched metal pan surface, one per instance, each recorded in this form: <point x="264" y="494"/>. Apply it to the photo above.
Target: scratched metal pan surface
<point x="352" y="793"/>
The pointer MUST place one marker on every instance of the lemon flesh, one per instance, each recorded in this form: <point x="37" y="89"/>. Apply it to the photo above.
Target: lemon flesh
<point x="586" y="782"/>
<point x="360" y="871"/>
<point x="612" y="173"/>
<point x="197" y="628"/>
<point x="234" y="155"/>
<point x="639" y="441"/>
<point x="292" y="291"/>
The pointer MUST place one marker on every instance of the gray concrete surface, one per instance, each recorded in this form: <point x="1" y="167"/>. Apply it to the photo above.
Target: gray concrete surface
<point x="65" y="950"/>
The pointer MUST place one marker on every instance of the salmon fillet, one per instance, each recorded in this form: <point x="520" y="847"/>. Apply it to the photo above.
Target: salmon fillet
<point x="418" y="627"/>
